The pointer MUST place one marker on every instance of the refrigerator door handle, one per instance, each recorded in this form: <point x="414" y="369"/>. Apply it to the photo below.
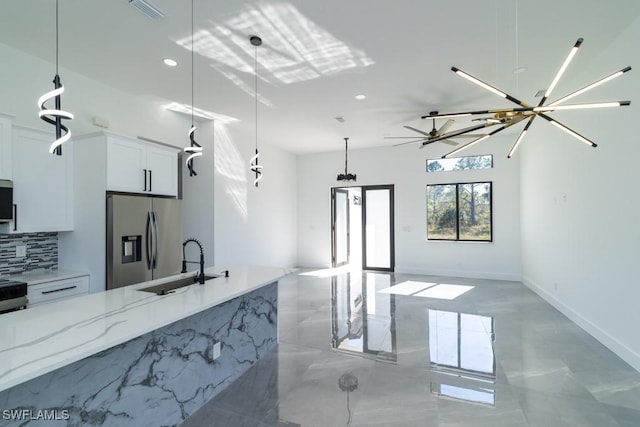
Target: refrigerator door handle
<point x="154" y="260"/>
<point x="148" y="240"/>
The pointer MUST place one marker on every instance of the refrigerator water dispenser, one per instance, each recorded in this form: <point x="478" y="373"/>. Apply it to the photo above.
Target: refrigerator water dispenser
<point x="131" y="249"/>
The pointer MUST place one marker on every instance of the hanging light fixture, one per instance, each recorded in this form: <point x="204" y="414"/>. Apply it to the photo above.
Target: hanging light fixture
<point x="55" y="116"/>
<point x="507" y="117"/>
<point x="194" y="149"/>
<point x="253" y="163"/>
<point x="346" y="176"/>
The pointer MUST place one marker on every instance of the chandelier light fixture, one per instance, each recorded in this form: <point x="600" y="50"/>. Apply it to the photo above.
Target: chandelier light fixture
<point x="56" y="115"/>
<point x="253" y="163"/>
<point x="194" y="149"/>
<point x="507" y="117"/>
<point x="346" y="176"/>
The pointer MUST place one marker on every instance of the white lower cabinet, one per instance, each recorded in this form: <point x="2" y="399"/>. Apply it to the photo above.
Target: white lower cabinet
<point x="57" y="290"/>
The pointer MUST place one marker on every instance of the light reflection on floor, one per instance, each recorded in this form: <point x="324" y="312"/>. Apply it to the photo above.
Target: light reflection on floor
<point x="496" y="355"/>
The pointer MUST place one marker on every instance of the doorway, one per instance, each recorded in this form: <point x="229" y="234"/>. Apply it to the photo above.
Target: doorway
<point x="362" y="231"/>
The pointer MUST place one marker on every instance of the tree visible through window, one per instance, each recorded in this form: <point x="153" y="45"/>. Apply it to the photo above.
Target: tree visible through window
<point x="459" y="211"/>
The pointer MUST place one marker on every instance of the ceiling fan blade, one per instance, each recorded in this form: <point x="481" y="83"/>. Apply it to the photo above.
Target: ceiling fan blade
<point x="445" y="126"/>
<point x="564" y="66"/>
<point x="398" y="137"/>
<point x="449" y="142"/>
<point x="520" y="137"/>
<point x="568" y="130"/>
<point x="418" y="130"/>
<point x="482" y="138"/>
<point x="591" y="86"/>
<point x="458" y="133"/>
<point x="471" y="135"/>
<point x="488" y="86"/>
<point x="407" y="142"/>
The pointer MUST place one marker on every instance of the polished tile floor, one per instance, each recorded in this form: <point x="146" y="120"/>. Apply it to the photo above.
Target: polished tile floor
<point x="377" y="349"/>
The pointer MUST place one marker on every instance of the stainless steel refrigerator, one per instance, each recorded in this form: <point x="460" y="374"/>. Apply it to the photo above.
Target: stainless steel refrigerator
<point x="144" y="239"/>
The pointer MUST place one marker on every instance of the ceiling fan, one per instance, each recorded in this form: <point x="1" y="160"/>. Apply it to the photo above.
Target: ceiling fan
<point x="434" y="134"/>
<point x="507" y="117"/>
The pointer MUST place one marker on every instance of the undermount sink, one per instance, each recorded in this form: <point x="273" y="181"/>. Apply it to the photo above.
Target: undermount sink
<point x="165" y="288"/>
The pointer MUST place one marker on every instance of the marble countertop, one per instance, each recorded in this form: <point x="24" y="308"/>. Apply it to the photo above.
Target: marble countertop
<point x="43" y="338"/>
<point x="43" y="276"/>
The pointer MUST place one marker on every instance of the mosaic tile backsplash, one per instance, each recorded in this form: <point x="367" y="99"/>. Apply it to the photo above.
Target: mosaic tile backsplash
<point x="42" y="252"/>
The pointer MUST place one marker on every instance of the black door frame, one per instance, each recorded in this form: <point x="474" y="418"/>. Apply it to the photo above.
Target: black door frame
<point x="392" y="252"/>
<point x="334" y="248"/>
<point x="364" y="188"/>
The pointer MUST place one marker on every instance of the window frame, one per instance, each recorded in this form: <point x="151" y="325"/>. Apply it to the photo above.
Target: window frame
<point x="458" y="158"/>
<point x="457" y="199"/>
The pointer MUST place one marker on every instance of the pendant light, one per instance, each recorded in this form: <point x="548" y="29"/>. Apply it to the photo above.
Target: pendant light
<point x="253" y="163"/>
<point x="346" y="176"/>
<point x="194" y="149"/>
<point x="55" y="116"/>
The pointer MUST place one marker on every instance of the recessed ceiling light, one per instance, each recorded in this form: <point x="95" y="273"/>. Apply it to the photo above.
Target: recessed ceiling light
<point x="361" y="97"/>
<point x="170" y="62"/>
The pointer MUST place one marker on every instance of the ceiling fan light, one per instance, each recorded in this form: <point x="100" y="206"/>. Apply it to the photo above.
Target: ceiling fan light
<point x="591" y="86"/>
<point x="478" y="82"/>
<point x="457" y="150"/>
<point x="566" y="63"/>
<point x="582" y="106"/>
<point x="572" y="133"/>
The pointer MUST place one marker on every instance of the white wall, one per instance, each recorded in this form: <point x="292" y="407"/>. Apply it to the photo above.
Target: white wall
<point x="405" y="167"/>
<point x="253" y="225"/>
<point x="579" y="206"/>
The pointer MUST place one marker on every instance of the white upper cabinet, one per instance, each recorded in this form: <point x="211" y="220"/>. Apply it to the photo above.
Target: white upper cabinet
<point x="42" y="183"/>
<point x="141" y="167"/>
<point x="5" y="147"/>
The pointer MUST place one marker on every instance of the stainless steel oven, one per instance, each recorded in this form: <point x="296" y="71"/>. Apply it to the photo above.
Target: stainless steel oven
<point x="6" y="200"/>
<point x="13" y="295"/>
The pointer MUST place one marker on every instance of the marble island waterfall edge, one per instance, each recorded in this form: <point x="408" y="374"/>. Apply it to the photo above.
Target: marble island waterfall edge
<point x="157" y="379"/>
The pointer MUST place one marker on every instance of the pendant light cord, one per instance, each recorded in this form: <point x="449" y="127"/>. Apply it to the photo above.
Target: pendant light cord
<point x="57" y="37"/>
<point x="192" y="72"/>
<point x="256" y="97"/>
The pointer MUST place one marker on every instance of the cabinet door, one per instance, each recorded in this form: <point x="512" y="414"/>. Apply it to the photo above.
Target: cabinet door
<point x="42" y="183"/>
<point x="163" y="164"/>
<point x="5" y="148"/>
<point x="126" y="165"/>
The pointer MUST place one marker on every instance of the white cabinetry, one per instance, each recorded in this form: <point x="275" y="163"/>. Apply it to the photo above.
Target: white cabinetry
<point x="141" y="167"/>
<point x="42" y="183"/>
<point x="5" y="147"/>
<point x="57" y="290"/>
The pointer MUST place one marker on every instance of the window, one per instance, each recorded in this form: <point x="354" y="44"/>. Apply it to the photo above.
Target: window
<point x="460" y="163"/>
<point x="459" y="212"/>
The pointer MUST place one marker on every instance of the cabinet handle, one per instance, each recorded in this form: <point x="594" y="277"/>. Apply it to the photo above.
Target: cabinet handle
<point x="59" y="290"/>
<point x="15" y="217"/>
<point x="144" y="171"/>
<point x="150" y="180"/>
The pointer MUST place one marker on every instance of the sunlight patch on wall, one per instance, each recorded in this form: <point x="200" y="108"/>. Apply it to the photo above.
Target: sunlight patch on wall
<point x="295" y="48"/>
<point x="198" y="112"/>
<point x="230" y="165"/>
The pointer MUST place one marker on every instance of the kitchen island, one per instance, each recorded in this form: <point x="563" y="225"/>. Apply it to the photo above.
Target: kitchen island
<point x="128" y="357"/>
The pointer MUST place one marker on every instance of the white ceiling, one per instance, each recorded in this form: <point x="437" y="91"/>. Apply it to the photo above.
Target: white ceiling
<point x="317" y="55"/>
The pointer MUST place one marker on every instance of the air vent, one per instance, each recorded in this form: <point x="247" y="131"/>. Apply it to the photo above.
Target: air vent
<point x="339" y="119"/>
<point x="147" y="8"/>
<point x="540" y="93"/>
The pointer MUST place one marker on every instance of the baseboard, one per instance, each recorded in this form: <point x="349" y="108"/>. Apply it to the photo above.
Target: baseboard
<point x="458" y="273"/>
<point x="611" y="342"/>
